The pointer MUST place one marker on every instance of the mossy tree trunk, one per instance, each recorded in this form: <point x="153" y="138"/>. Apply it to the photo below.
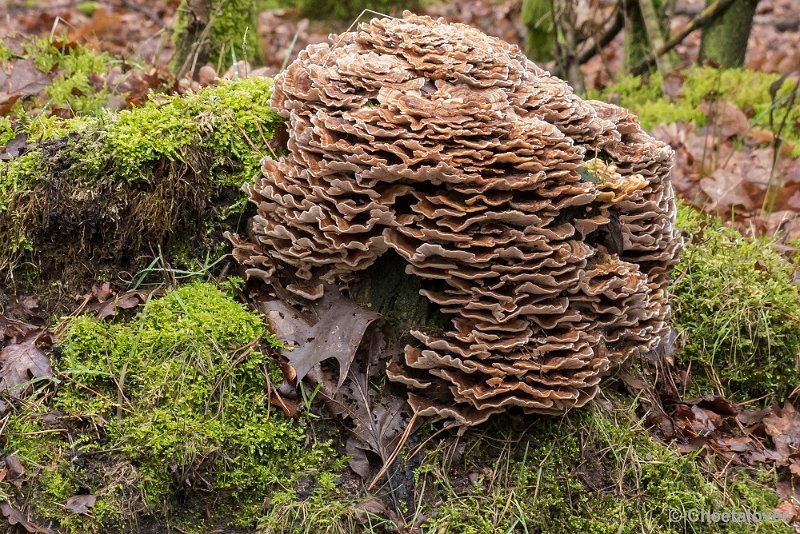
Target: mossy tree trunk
<point x="537" y="16"/>
<point x="638" y="44"/>
<point x="724" y="41"/>
<point x="216" y="31"/>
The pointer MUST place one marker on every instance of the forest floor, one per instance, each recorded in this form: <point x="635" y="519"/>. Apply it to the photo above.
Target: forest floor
<point x="145" y="395"/>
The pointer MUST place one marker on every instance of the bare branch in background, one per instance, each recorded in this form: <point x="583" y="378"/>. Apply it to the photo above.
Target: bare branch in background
<point x="710" y="13"/>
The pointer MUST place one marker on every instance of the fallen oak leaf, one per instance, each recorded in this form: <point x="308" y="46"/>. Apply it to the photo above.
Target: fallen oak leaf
<point x="337" y="334"/>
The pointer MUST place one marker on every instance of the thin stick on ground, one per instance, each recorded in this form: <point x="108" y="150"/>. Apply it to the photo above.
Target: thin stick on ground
<point x="392" y="457"/>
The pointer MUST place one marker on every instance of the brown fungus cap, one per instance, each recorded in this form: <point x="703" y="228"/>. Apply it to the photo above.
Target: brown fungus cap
<point x="540" y="223"/>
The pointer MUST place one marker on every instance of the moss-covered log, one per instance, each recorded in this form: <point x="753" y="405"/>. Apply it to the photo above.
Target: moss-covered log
<point x="724" y="41"/>
<point x="107" y="190"/>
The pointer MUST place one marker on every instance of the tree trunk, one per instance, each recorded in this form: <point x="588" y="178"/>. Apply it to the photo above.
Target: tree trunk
<point x="638" y="44"/>
<point x="191" y="37"/>
<point x="537" y="16"/>
<point x="387" y="289"/>
<point x="216" y="31"/>
<point x="724" y="41"/>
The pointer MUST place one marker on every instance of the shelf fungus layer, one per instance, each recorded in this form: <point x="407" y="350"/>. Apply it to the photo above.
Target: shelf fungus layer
<point x="541" y="224"/>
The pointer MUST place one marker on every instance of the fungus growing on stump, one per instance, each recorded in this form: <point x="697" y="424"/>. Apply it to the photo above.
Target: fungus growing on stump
<point x="539" y="223"/>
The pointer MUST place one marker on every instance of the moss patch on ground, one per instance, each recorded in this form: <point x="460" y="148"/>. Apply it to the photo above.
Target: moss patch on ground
<point x="117" y="185"/>
<point x="596" y="470"/>
<point x="737" y="312"/>
<point x="165" y="415"/>
<point x="750" y="91"/>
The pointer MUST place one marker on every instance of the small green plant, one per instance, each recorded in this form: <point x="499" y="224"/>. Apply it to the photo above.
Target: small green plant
<point x="736" y="310"/>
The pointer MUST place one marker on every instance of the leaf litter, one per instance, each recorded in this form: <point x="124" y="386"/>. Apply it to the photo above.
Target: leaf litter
<point x="355" y="390"/>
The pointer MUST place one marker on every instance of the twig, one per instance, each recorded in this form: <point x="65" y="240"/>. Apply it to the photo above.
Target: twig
<point x="612" y="31"/>
<point x="707" y="15"/>
<point x="392" y="457"/>
<point x="127" y="4"/>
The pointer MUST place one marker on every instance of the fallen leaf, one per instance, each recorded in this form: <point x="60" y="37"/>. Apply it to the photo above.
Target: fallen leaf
<point x="16" y="517"/>
<point x="80" y="504"/>
<point x="15" y="148"/>
<point x="358" y="460"/>
<point x="725" y="119"/>
<point x="783" y="426"/>
<point x="21" y="362"/>
<point x="727" y="188"/>
<point x="14" y="470"/>
<point x="787" y="510"/>
<point x="23" y="79"/>
<point x="337" y="335"/>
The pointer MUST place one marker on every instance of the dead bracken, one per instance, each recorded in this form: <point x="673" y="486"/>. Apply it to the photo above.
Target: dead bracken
<point x="540" y="223"/>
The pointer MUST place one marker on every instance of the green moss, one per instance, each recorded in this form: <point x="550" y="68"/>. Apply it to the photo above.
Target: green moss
<point x="748" y="90"/>
<point x="221" y="119"/>
<point x="78" y="85"/>
<point x="158" y="412"/>
<point x="736" y="310"/>
<point x="597" y="471"/>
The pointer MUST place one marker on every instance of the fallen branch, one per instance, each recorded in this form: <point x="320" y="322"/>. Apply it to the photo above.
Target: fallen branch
<point x="707" y="15"/>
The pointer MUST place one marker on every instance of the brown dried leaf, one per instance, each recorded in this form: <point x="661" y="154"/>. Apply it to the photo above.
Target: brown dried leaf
<point x="16" y="517"/>
<point x="80" y="504"/>
<point x="14" y="470"/>
<point x="23" y="79"/>
<point x="337" y="335"/>
<point x="726" y="188"/>
<point x="358" y="460"/>
<point x="15" y="148"/>
<point x="725" y="119"/>
<point x="787" y="510"/>
<point x="22" y="362"/>
<point x="783" y="425"/>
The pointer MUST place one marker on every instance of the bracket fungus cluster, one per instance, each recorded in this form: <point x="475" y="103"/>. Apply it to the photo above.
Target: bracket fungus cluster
<point x="541" y="224"/>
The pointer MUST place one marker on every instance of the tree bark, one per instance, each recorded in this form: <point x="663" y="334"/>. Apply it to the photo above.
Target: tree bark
<point x="192" y="37"/>
<point x="641" y="31"/>
<point x="540" y="41"/>
<point x="724" y="41"/>
<point x="216" y="31"/>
